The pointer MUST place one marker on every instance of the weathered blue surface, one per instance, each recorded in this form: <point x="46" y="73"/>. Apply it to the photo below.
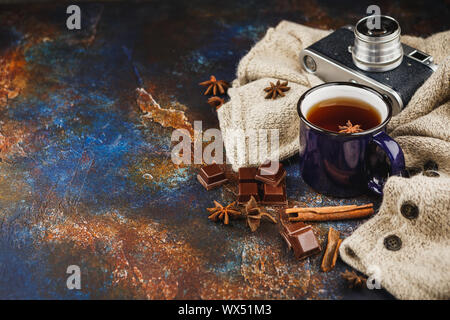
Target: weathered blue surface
<point x="75" y="147"/>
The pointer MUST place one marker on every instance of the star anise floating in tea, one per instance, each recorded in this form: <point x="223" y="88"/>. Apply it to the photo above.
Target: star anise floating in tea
<point x="350" y="128"/>
<point x="216" y="102"/>
<point x="219" y="212"/>
<point x="354" y="280"/>
<point x="276" y="90"/>
<point x="255" y="214"/>
<point x="214" y="85"/>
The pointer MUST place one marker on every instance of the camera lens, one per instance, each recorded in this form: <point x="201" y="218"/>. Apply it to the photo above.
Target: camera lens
<point x="383" y="28"/>
<point x="377" y="46"/>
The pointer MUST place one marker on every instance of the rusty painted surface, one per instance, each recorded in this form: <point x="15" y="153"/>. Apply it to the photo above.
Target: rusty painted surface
<point x="85" y="172"/>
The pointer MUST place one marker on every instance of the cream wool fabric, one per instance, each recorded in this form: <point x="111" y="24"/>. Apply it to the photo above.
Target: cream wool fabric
<point x="273" y="58"/>
<point x="248" y="113"/>
<point x="420" y="269"/>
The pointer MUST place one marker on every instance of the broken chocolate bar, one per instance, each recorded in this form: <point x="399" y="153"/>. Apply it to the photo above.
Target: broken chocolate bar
<point x="247" y="190"/>
<point x="211" y="176"/>
<point x="247" y="174"/>
<point x="271" y="173"/>
<point x="301" y="239"/>
<point x="274" y="195"/>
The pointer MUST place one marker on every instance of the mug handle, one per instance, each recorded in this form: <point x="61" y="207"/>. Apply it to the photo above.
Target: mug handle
<point x="395" y="155"/>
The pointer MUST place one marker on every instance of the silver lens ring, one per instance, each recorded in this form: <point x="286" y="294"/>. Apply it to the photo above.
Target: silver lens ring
<point x="377" y="50"/>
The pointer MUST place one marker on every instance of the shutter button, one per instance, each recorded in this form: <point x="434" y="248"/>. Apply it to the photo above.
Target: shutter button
<point x="310" y="64"/>
<point x="392" y="242"/>
<point x="409" y="210"/>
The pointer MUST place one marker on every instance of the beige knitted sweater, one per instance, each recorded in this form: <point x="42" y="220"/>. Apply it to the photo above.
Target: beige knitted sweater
<point x="406" y="246"/>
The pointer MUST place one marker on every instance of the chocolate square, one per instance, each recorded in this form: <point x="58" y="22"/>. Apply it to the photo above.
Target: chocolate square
<point x="212" y="173"/>
<point x="267" y="169"/>
<point x="246" y="190"/>
<point x="211" y="176"/>
<point x="301" y="239"/>
<point x="292" y="228"/>
<point x="273" y="176"/>
<point x="247" y="174"/>
<point x="274" y="195"/>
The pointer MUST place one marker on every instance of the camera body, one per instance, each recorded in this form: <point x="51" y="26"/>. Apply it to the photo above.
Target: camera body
<point x="335" y="58"/>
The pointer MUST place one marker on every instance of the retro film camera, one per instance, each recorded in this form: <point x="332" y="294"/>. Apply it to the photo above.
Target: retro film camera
<point x="371" y="56"/>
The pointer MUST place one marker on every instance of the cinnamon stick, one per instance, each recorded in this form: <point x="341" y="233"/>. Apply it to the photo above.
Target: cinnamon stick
<point x="329" y="209"/>
<point x="330" y="213"/>
<point x="332" y="250"/>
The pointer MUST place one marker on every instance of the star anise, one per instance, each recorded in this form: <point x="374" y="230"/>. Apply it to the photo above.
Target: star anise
<point x="276" y="90"/>
<point x="216" y="102"/>
<point x="354" y="280"/>
<point x="213" y="85"/>
<point x="350" y="128"/>
<point x="254" y="214"/>
<point x="220" y="212"/>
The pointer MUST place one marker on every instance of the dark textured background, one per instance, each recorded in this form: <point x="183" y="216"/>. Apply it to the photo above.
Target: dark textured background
<point x="74" y="148"/>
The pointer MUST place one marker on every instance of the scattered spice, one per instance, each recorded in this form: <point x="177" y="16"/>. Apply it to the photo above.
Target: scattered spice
<point x="220" y="212"/>
<point x="332" y="250"/>
<point x="354" y="280"/>
<point x="255" y="214"/>
<point x="330" y="213"/>
<point x="350" y="128"/>
<point x="216" y="102"/>
<point x="213" y="85"/>
<point x="276" y="90"/>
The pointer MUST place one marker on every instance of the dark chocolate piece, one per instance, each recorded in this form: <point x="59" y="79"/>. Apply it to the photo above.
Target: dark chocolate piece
<point x="211" y="176"/>
<point x="212" y="173"/>
<point x="247" y="190"/>
<point x="301" y="239"/>
<point x="269" y="168"/>
<point x="247" y="174"/>
<point x="274" y="195"/>
<point x="273" y="176"/>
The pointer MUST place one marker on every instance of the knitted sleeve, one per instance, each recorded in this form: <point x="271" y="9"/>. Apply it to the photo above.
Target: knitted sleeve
<point x="406" y="246"/>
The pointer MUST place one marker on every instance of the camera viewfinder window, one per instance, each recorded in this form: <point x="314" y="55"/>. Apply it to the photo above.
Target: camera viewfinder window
<point x="419" y="56"/>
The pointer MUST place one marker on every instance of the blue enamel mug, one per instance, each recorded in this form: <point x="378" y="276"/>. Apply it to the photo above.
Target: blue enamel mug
<point x="347" y="164"/>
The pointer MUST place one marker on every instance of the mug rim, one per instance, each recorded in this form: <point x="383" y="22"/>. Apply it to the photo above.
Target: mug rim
<point x="352" y="84"/>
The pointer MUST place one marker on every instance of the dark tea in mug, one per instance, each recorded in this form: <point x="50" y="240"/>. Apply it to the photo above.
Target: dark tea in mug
<point x="332" y="113"/>
<point x="344" y="159"/>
